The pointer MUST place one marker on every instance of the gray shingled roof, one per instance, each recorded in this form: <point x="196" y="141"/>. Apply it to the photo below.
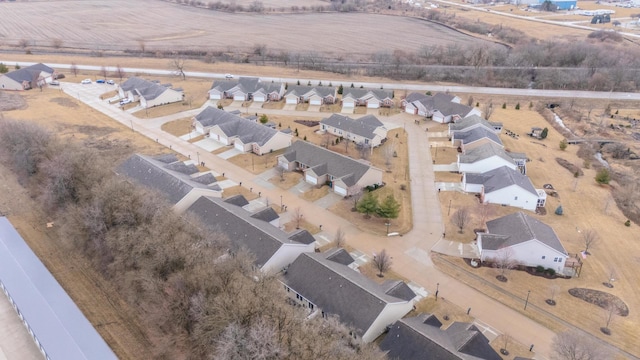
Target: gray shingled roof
<point x="29" y="73"/>
<point x="327" y="162"/>
<point x="267" y="214"/>
<point x="260" y="238"/>
<point x="421" y="337"/>
<point x="145" y="88"/>
<point x="171" y="179"/>
<point x="485" y="151"/>
<point x="247" y="85"/>
<point x="518" y="228"/>
<point x="501" y="178"/>
<point x="476" y="134"/>
<point x="356" y="93"/>
<point x="471" y="120"/>
<point x="302" y="236"/>
<point x="300" y="90"/>
<point x="451" y="108"/>
<point x="232" y="125"/>
<point x="55" y="320"/>
<point x="364" y="126"/>
<point x="237" y="200"/>
<point x="339" y="255"/>
<point x="338" y="290"/>
<point x="441" y="102"/>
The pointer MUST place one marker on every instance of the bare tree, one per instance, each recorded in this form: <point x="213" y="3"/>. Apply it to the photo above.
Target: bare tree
<point x="388" y="155"/>
<point x="103" y="72"/>
<point x="178" y="64"/>
<point x="576" y="345"/>
<point x="339" y="239"/>
<point x="23" y="43"/>
<point x="355" y="196"/>
<point x="297" y="217"/>
<point x="504" y="261"/>
<point x="589" y="238"/>
<point x="470" y="101"/>
<point x="143" y="46"/>
<point x="326" y="139"/>
<point x="365" y="151"/>
<point x="488" y="109"/>
<point x="611" y="278"/>
<point x="119" y="73"/>
<point x="553" y="291"/>
<point x="506" y="339"/>
<point x="610" y="310"/>
<point x="280" y="171"/>
<point x="382" y="262"/>
<point x="56" y="43"/>
<point x="484" y="212"/>
<point x="74" y="69"/>
<point x="461" y="218"/>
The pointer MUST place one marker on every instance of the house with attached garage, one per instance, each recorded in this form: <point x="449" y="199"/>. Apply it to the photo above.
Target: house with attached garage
<point x="367" y="130"/>
<point x="468" y="140"/>
<point x="530" y="242"/>
<point x="484" y="158"/>
<point x="345" y="175"/>
<point x="441" y="107"/>
<point x="28" y="77"/>
<point x="272" y="249"/>
<point x="423" y="337"/>
<point x="327" y="286"/>
<point x="181" y="183"/>
<point x="149" y="93"/>
<point x="314" y="95"/>
<point x="244" y="134"/>
<point x="245" y="89"/>
<point x="505" y="186"/>
<point x="370" y="98"/>
<point x="472" y="122"/>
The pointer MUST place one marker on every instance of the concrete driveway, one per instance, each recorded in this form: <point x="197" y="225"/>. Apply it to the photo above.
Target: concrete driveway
<point x="457" y="249"/>
<point x="229" y="154"/>
<point x="446" y="167"/>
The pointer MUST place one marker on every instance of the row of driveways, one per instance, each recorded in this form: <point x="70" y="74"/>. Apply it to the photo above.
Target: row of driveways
<point x="410" y="253"/>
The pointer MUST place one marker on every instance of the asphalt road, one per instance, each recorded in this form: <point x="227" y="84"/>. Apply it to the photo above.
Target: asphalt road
<point x="387" y="85"/>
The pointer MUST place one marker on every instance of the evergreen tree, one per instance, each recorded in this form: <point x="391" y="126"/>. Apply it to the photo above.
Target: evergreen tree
<point x="3" y="68"/>
<point x="368" y="205"/>
<point x="544" y="133"/>
<point x="264" y="119"/>
<point x="340" y="89"/>
<point x="389" y="208"/>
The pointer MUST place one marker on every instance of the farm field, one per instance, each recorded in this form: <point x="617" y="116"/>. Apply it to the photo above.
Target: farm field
<point x="100" y="25"/>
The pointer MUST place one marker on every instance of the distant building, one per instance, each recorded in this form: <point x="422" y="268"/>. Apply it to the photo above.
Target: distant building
<point x="28" y="77"/>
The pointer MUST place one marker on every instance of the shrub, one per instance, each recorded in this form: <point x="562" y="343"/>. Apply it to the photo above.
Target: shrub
<point x="550" y="271"/>
<point x="539" y="268"/>
<point x="477" y="104"/>
<point x="305" y="138"/>
<point x="627" y="223"/>
<point x="544" y="133"/>
<point x="504" y="105"/>
<point x="559" y="210"/>
<point x="518" y="106"/>
<point x="603" y="177"/>
<point x="563" y="145"/>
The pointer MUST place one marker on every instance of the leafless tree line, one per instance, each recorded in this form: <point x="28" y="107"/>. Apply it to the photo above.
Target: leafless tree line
<point x="198" y="299"/>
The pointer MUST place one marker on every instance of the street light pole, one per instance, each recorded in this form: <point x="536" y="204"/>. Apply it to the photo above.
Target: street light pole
<point x="388" y="223"/>
<point x="281" y="206"/>
<point x="526" y="302"/>
<point x="437" y="290"/>
<point x="449" y="212"/>
<point x="198" y="154"/>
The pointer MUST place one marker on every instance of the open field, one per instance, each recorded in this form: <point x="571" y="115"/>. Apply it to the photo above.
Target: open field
<point x="100" y="25"/>
<point x="584" y="203"/>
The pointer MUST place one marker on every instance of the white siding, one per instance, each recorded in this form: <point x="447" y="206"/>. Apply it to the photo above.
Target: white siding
<point x="532" y="253"/>
<point x="310" y="178"/>
<point x="215" y="95"/>
<point x="285" y="256"/>
<point x="514" y="196"/>
<point x="485" y="165"/>
<point x="390" y="314"/>
<point x="239" y="97"/>
<point x="372" y="176"/>
<point x="259" y="98"/>
<point x="239" y="146"/>
<point x="6" y="83"/>
<point x="340" y="190"/>
<point x="279" y="141"/>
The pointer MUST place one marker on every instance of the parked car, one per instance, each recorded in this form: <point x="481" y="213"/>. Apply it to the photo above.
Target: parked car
<point x="86" y="81"/>
<point x="228" y="76"/>
<point x="110" y="82"/>
<point x="54" y="83"/>
<point x="124" y="101"/>
<point x="100" y="81"/>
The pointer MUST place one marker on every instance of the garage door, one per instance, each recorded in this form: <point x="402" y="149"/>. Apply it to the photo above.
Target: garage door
<point x="260" y="98"/>
<point x="292" y="101"/>
<point x="239" y="146"/>
<point x="215" y="96"/>
<point x="340" y="190"/>
<point x="238" y="97"/>
<point x="311" y="179"/>
<point x="373" y="105"/>
<point x="348" y="104"/>
<point x="315" y="102"/>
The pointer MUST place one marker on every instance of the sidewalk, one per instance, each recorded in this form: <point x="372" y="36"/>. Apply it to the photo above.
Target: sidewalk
<point x="410" y="252"/>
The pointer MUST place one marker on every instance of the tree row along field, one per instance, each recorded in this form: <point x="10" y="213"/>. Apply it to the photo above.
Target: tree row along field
<point x="118" y="24"/>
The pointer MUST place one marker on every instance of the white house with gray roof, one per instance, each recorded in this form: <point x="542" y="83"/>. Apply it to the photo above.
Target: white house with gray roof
<point x="484" y="158"/>
<point x="28" y="77"/>
<point x="370" y="98"/>
<point x="423" y="337"/>
<point x="272" y="249"/>
<point x="244" y="134"/>
<point x="246" y="88"/>
<point x="367" y="130"/>
<point x="530" y="241"/>
<point x="181" y="183"/>
<point x="326" y="285"/>
<point x="149" y="93"/>
<point x="505" y="186"/>
<point x="474" y="121"/>
<point x="55" y="322"/>
<point x="314" y="95"/>
<point x="319" y="165"/>
<point x="441" y="107"/>
<point x="468" y="140"/>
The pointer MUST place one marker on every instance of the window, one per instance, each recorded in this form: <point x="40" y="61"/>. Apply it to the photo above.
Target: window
<point x="311" y="306"/>
<point x="366" y="141"/>
<point x="543" y="257"/>
<point x="516" y="198"/>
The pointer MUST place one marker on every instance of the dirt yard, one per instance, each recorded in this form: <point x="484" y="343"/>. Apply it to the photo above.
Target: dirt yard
<point x="585" y="207"/>
<point x="102" y="305"/>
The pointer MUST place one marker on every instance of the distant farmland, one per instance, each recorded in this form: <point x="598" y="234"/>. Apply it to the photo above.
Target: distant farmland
<point x="122" y="24"/>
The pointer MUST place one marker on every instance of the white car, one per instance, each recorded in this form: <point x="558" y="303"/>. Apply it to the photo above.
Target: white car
<point x="228" y="76"/>
<point x="85" y="81"/>
<point x="125" y="101"/>
<point x="110" y="82"/>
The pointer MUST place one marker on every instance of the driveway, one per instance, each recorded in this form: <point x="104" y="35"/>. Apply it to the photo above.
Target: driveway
<point x="313" y="108"/>
<point x="328" y="200"/>
<point x="446" y="167"/>
<point x="300" y="188"/>
<point x="208" y="144"/>
<point x="449" y="186"/>
<point x="457" y="249"/>
<point x="346" y="110"/>
<point x="229" y="154"/>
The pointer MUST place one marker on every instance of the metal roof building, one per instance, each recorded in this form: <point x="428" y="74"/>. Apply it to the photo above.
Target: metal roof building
<point x="58" y="327"/>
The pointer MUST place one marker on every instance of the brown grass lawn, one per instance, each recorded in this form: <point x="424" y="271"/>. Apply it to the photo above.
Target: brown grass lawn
<point x="100" y="303"/>
<point x="274" y="104"/>
<point x="584" y="209"/>
<point x="444" y="155"/>
<point x="444" y="176"/>
<point x="178" y="127"/>
<point x="315" y="193"/>
<point x="393" y="180"/>
<point x="304" y="224"/>
<point x="284" y="122"/>
<point x="290" y="180"/>
<point x="256" y="164"/>
<point x="239" y="190"/>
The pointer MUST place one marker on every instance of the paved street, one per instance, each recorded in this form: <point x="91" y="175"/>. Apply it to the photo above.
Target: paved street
<point x="410" y="252"/>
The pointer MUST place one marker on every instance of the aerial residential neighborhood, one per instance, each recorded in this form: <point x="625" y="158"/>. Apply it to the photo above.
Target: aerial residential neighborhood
<point x="207" y="188"/>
